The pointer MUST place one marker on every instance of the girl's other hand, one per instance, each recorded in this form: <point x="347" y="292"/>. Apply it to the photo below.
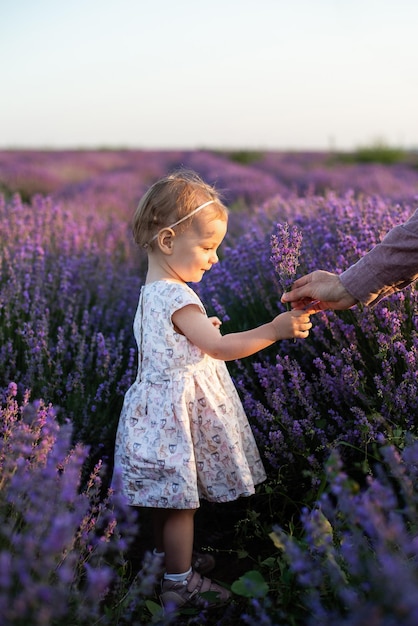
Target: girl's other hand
<point x="215" y="321"/>
<point x="293" y="324"/>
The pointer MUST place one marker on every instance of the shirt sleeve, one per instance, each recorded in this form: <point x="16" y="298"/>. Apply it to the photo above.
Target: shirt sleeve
<point x="179" y="296"/>
<point x="390" y="266"/>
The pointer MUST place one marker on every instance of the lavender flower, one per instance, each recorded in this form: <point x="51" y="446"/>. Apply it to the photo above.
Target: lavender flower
<point x="285" y="251"/>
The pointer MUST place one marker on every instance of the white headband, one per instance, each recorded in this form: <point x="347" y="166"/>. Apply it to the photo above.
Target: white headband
<point x="186" y="217"/>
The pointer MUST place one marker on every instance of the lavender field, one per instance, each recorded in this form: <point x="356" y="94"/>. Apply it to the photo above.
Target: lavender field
<point x="332" y="536"/>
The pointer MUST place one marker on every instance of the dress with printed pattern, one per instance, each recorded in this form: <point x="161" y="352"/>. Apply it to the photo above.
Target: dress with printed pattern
<point x="183" y="433"/>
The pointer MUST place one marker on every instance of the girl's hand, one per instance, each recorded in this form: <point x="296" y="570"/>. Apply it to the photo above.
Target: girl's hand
<point x="295" y="323"/>
<point x="215" y="321"/>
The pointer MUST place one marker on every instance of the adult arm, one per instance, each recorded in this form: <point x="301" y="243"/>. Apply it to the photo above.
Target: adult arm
<point x="390" y="266"/>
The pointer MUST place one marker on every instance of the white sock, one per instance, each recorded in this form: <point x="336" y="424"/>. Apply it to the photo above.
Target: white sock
<point x="178" y="578"/>
<point x="160" y="555"/>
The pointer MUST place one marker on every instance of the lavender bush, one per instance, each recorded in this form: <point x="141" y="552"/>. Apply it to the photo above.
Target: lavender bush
<point x="67" y="291"/>
<point x="356" y="563"/>
<point x="61" y="548"/>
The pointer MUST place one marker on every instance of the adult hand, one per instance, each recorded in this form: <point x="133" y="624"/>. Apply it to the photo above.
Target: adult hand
<point x="319" y="290"/>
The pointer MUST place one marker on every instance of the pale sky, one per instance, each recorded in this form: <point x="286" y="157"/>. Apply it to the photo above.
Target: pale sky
<point x="272" y="74"/>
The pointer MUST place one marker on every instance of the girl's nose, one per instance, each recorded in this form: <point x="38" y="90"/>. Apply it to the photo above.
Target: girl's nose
<point x="214" y="258"/>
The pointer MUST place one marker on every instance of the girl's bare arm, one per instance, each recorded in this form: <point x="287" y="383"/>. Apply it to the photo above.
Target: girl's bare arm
<point x="199" y="329"/>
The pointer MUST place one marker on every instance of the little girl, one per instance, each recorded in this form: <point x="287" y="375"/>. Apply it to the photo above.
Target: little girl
<point x="183" y="434"/>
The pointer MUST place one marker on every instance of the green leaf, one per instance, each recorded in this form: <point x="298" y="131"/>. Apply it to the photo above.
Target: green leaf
<point x="251" y="585"/>
<point x="154" y="608"/>
<point x="270" y="562"/>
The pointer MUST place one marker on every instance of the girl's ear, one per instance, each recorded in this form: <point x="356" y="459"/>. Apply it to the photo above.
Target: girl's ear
<point x="165" y="240"/>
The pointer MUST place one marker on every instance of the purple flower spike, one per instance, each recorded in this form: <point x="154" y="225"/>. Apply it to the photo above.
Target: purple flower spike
<point x="12" y="389"/>
<point x="285" y="251"/>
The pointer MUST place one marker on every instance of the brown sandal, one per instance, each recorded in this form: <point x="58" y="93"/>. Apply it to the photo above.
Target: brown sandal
<point x="191" y="592"/>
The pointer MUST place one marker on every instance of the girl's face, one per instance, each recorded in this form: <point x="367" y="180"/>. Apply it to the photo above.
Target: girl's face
<point x="194" y="250"/>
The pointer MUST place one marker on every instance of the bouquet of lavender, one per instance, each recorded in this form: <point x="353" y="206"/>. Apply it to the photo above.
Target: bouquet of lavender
<point x="285" y="250"/>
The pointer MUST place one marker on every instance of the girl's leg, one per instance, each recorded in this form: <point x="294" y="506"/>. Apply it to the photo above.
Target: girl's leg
<point x="158" y="521"/>
<point x="181" y="584"/>
<point x="174" y="532"/>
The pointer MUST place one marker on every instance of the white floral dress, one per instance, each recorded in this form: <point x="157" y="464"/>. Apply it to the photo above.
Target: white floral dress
<point x="183" y="433"/>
